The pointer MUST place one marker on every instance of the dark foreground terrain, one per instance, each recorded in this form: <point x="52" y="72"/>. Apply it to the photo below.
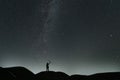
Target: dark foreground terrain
<point x="21" y="73"/>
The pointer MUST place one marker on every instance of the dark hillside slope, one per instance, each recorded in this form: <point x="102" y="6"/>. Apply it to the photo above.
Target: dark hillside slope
<point x="6" y="75"/>
<point x="21" y="73"/>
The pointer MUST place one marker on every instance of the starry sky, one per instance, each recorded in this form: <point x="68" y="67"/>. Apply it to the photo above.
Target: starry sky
<point x="77" y="36"/>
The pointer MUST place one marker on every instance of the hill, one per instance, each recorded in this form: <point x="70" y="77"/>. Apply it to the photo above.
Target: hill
<point x="51" y="75"/>
<point x="17" y="73"/>
<point x="21" y="73"/>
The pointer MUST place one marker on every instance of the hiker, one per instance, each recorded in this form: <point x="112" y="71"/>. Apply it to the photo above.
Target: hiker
<point x="47" y="66"/>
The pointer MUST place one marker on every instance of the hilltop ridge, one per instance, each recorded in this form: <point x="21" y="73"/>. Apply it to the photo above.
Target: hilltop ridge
<point x="22" y="73"/>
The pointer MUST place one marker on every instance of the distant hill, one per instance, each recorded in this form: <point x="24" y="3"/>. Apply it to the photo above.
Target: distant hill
<point x="78" y="77"/>
<point x="106" y="76"/>
<point x="98" y="76"/>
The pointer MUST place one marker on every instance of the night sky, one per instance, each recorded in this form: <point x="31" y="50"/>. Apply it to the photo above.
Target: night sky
<point x="77" y="36"/>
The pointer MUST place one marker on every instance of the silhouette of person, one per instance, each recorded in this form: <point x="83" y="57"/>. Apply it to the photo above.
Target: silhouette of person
<point x="47" y="66"/>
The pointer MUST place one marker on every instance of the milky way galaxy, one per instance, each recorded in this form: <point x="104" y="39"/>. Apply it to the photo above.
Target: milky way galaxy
<point x="77" y="36"/>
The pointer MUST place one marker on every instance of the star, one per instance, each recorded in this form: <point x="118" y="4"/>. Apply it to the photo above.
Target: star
<point x="111" y="35"/>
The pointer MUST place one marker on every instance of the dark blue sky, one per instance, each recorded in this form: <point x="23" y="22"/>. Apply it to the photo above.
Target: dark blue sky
<point x="78" y="36"/>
